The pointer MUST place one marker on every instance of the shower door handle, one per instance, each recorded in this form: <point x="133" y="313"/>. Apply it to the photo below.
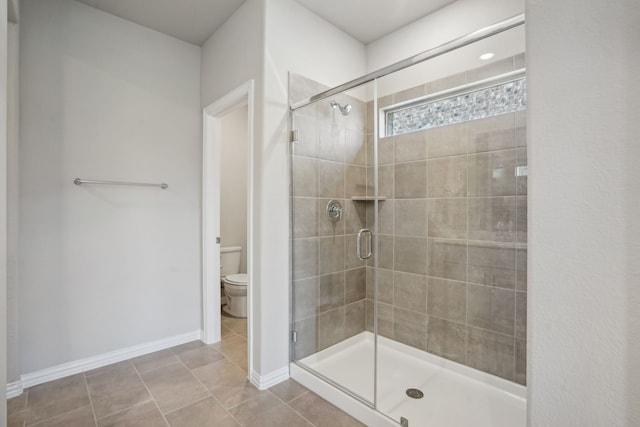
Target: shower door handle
<point x="369" y="234"/>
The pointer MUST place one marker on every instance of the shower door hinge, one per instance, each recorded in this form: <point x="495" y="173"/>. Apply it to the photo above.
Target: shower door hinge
<point x="294" y="336"/>
<point x="404" y="422"/>
<point x="294" y="136"/>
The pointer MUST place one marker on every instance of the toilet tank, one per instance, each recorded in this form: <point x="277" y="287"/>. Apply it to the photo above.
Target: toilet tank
<point x="230" y="260"/>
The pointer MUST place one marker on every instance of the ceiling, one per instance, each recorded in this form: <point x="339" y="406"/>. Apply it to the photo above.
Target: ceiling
<point x="368" y="20"/>
<point x="194" y="21"/>
<point x="190" y="20"/>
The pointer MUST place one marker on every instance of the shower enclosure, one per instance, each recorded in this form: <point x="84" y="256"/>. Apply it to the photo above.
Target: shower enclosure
<point x="408" y="235"/>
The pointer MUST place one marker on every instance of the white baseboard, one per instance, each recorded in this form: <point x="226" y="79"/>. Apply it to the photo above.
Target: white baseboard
<point x="263" y="382"/>
<point x="89" y="363"/>
<point x="14" y="389"/>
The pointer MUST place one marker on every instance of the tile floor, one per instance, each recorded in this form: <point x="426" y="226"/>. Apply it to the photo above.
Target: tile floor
<point x="192" y="385"/>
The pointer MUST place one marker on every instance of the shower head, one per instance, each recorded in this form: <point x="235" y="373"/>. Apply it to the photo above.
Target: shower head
<point x="344" y="109"/>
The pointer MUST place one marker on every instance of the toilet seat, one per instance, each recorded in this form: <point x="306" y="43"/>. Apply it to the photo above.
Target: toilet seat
<point x="237" y="279"/>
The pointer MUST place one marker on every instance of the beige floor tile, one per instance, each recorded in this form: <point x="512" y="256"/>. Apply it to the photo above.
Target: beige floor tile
<point x="55" y="398"/>
<point x="322" y="413"/>
<point x="113" y="390"/>
<point x="227" y="382"/>
<point x="16" y="420"/>
<point x="289" y="390"/>
<point x="267" y="410"/>
<point x="173" y="387"/>
<point x="145" y="415"/>
<point x="180" y="349"/>
<point x="155" y="360"/>
<point x="17" y="404"/>
<point x="200" y="356"/>
<point x="239" y="326"/>
<point x="204" y="413"/>
<point x="235" y="349"/>
<point x="113" y="369"/>
<point x="225" y="332"/>
<point x="82" y="417"/>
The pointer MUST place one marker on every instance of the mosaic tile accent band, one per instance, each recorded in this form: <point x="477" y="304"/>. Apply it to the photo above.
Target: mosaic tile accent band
<point x="492" y="101"/>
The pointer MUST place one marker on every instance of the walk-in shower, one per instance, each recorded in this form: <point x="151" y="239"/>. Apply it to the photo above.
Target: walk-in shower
<point x="408" y="222"/>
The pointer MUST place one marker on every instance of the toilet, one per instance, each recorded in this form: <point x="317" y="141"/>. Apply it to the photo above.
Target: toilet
<point x="234" y="282"/>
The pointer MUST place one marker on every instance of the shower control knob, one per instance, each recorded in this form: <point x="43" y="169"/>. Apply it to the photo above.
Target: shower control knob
<point x="334" y="210"/>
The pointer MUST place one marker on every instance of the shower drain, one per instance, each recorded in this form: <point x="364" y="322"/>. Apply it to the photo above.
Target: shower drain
<point x="414" y="393"/>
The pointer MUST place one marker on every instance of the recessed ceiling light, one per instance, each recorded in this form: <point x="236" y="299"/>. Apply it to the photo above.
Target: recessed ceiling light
<point x="487" y="56"/>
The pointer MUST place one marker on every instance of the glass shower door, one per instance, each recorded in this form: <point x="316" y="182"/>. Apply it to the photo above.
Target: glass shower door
<point x="332" y="294"/>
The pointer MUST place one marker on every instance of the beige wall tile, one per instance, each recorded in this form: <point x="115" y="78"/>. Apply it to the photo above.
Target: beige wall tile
<point x="305" y="217"/>
<point x="492" y="133"/>
<point x="410" y="180"/>
<point x="492" y="218"/>
<point x="492" y="264"/>
<point x="447" y="218"/>
<point x="355" y="285"/>
<point x="330" y="328"/>
<point x="410" y="217"/>
<point x="491" y="352"/>
<point x="305" y="297"/>
<point x="447" y="141"/>
<point x="492" y="173"/>
<point x="521" y="315"/>
<point x="355" y="316"/>
<point x="331" y="254"/>
<point x="330" y="291"/>
<point x="448" y="259"/>
<point x="521" y="362"/>
<point x="447" y="177"/>
<point x="305" y="177"/>
<point x="331" y="179"/>
<point x="410" y="291"/>
<point x="410" y="254"/>
<point x="305" y="258"/>
<point x="447" y="299"/>
<point x="491" y="308"/>
<point x="410" y="327"/>
<point x="447" y="339"/>
<point x="410" y="146"/>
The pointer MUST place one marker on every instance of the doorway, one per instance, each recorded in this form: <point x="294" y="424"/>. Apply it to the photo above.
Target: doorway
<point x="240" y="99"/>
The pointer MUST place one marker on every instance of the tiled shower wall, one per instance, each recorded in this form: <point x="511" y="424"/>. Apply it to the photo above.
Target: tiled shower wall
<point x="329" y="162"/>
<point x="452" y="232"/>
<point x="452" y="235"/>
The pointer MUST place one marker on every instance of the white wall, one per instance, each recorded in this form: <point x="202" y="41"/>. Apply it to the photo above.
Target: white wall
<point x="298" y="41"/>
<point x="3" y="210"/>
<point x="231" y="57"/>
<point x="584" y="250"/>
<point x="13" y="201"/>
<point x="102" y="268"/>
<point x="233" y="182"/>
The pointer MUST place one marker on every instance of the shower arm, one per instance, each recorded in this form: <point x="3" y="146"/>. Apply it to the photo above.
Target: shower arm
<point x="455" y="44"/>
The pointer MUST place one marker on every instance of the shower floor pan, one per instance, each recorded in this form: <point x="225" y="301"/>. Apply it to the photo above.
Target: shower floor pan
<point x="454" y="395"/>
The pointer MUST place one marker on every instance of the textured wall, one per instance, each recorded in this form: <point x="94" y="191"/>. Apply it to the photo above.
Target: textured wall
<point x="583" y="60"/>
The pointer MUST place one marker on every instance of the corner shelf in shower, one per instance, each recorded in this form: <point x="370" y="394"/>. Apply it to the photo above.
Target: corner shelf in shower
<point x="368" y="198"/>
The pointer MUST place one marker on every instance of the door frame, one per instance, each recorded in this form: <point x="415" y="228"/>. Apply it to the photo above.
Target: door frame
<point x="211" y="149"/>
